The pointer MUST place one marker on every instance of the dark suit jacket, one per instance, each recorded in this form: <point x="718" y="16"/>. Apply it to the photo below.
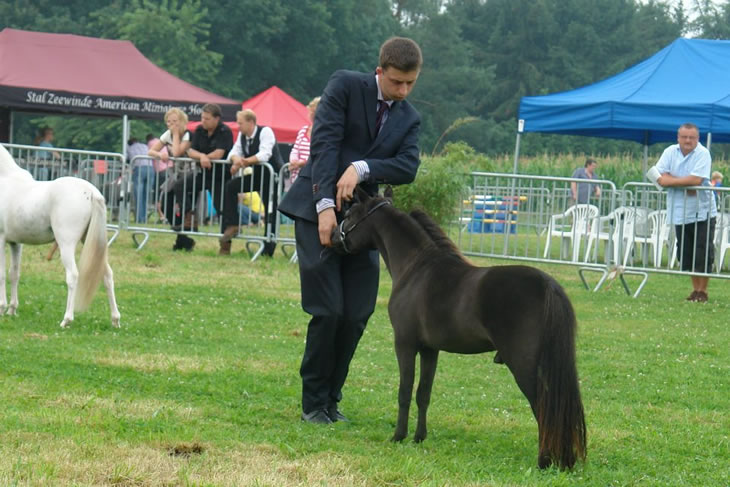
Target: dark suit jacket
<point x="344" y="132"/>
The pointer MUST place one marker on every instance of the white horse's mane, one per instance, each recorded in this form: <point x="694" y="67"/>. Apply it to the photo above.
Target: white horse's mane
<point x="8" y="167"/>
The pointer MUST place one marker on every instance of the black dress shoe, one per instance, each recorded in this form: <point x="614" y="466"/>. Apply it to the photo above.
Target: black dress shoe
<point x="335" y="415"/>
<point x="269" y="248"/>
<point x="316" y="417"/>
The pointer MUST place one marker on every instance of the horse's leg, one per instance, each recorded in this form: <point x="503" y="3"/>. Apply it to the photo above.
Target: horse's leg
<point x="16" y="250"/>
<point x="406" y="355"/>
<point x="525" y="374"/>
<point x="109" y="285"/>
<point x="429" y="359"/>
<point x="3" y="295"/>
<point x="72" y="277"/>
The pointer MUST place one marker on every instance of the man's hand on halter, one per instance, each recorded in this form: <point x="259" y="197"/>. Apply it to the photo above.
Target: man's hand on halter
<point x="346" y="186"/>
<point x="327" y="222"/>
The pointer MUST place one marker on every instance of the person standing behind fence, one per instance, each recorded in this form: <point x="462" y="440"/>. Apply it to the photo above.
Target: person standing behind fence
<point x="45" y="139"/>
<point x="212" y="140"/>
<point x="693" y="213"/>
<point x="300" y="150"/>
<point x="364" y="133"/>
<point x="143" y="177"/>
<point x="581" y="192"/>
<point x="255" y="145"/>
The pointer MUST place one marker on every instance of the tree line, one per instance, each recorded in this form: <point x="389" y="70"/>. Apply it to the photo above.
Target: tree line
<point x="481" y="56"/>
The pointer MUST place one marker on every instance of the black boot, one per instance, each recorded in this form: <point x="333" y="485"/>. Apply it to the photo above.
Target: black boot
<point x="183" y="242"/>
<point x="269" y="248"/>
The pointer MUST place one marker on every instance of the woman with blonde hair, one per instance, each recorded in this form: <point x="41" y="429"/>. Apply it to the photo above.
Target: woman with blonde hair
<point x="177" y="140"/>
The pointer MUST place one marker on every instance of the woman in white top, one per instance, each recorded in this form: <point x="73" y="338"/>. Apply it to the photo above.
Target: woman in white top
<point x="177" y="139"/>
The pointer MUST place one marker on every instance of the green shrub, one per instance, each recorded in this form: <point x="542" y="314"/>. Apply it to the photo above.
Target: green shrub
<point x="441" y="180"/>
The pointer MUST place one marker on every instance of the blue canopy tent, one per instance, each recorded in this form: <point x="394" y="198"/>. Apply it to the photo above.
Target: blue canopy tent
<point x="687" y="81"/>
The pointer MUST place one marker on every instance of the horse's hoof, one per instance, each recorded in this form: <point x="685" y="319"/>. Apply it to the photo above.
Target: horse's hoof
<point x="116" y="323"/>
<point x="65" y="324"/>
<point x="418" y="438"/>
<point x="397" y="438"/>
<point x="12" y="311"/>
<point x="543" y="462"/>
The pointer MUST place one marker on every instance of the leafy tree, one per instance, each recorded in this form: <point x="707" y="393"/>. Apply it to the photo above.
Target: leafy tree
<point x="451" y="86"/>
<point x="713" y="19"/>
<point x="174" y="34"/>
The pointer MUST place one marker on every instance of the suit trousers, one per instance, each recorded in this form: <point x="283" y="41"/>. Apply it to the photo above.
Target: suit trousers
<point x="339" y="292"/>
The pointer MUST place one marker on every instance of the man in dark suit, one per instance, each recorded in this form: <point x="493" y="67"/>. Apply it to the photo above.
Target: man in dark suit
<point x="364" y="133"/>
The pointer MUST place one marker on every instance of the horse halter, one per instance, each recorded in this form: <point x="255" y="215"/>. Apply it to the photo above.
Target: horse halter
<point x="343" y="232"/>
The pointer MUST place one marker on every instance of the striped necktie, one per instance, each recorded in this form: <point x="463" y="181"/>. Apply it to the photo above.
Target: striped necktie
<point x="380" y="118"/>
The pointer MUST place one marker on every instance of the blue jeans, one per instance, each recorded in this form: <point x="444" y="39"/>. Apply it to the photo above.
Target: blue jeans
<point x="143" y="179"/>
<point x="245" y="215"/>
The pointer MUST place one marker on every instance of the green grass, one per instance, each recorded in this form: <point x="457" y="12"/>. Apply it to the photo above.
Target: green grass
<point x="207" y="359"/>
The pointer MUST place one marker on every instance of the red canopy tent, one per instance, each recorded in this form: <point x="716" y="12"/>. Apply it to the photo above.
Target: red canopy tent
<point x="281" y="112"/>
<point x="69" y="73"/>
<point x="276" y="109"/>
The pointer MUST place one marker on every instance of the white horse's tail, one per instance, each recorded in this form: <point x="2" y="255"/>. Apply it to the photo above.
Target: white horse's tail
<point x="93" y="261"/>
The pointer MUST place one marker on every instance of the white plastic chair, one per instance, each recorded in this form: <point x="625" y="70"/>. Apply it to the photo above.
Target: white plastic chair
<point x="618" y="236"/>
<point x="722" y="239"/>
<point x="571" y="225"/>
<point x="658" y="239"/>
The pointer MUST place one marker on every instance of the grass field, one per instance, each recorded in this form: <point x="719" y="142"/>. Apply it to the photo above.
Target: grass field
<point x="200" y="386"/>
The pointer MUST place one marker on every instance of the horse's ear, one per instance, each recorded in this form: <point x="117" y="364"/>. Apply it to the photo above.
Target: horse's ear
<point x="388" y="193"/>
<point x="361" y="195"/>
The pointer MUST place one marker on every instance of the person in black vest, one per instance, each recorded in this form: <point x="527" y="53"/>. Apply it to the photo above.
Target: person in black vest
<point x="255" y="145"/>
<point x="212" y="140"/>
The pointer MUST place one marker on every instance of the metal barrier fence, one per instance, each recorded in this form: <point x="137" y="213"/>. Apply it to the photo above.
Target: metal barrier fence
<point x="610" y="231"/>
<point x="105" y="170"/>
<point x="183" y="198"/>
<point x="656" y="240"/>
<point x="519" y="217"/>
<point x="284" y="229"/>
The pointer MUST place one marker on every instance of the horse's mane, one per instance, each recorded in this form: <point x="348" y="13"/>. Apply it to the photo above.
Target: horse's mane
<point x="437" y="235"/>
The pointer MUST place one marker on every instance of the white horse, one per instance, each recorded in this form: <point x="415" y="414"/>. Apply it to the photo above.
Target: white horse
<point x="66" y="209"/>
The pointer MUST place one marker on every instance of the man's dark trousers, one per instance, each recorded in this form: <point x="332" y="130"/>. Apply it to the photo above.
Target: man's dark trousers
<point x="333" y="286"/>
<point x="259" y="180"/>
<point x="186" y="190"/>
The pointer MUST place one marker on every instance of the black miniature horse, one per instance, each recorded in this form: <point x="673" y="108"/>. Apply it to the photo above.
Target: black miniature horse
<point x="442" y="302"/>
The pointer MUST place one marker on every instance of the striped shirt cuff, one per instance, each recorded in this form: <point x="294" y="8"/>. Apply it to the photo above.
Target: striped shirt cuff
<point x="325" y="203"/>
<point x="362" y="169"/>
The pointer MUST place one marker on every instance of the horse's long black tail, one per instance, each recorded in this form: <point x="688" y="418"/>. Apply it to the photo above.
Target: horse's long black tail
<point x="560" y="418"/>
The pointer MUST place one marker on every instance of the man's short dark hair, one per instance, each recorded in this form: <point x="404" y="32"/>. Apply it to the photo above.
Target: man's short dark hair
<point x="212" y="108"/>
<point x="401" y="53"/>
<point x="590" y="161"/>
<point x="689" y="125"/>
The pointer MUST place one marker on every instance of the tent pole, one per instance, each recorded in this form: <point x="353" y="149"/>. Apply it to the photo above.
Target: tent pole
<point x="520" y="128"/>
<point x="10" y="135"/>
<point x="645" y="161"/>
<point x="709" y="140"/>
<point x="125" y="186"/>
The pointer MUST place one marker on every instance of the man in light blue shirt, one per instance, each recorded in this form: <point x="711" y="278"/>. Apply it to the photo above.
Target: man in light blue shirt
<point x="693" y="212"/>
